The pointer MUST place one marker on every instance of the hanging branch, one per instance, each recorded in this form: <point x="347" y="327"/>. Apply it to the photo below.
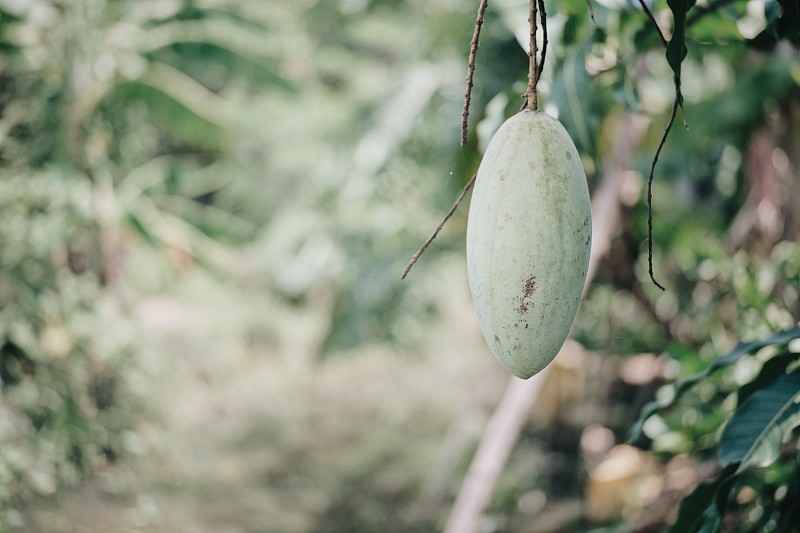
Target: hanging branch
<point x="543" y="21"/>
<point x="455" y="205"/>
<point x="655" y="23"/>
<point x="535" y="66"/>
<point x="671" y="121"/>
<point x="531" y="96"/>
<point x="473" y="51"/>
<point x="675" y="105"/>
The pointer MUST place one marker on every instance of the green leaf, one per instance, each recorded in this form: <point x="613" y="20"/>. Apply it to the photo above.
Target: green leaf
<point x="172" y="116"/>
<point x="730" y="484"/>
<point x="211" y="220"/>
<point x="783" y="22"/>
<point x="590" y="6"/>
<point x="696" y="512"/>
<point x="772" y="12"/>
<point x="676" y="48"/>
<point x="701" y="510"/>
<point x="741" y="350"/>
<point x="719" y="27"/>
<point x="572" y="94"/>
<point x="772" y="370"/>
<point x="140" y="228"/>
<point x="222" y="33"/>
<point x="754" y="434"/>
<point x="180" y="105"/>
<point x="627" y="92"/>
<point x="196" y="59"/>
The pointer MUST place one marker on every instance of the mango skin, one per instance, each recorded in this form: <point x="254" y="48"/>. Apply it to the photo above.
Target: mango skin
<point x="528" y="240"/>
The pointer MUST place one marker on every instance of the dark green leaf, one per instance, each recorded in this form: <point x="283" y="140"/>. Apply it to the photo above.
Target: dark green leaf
<point x="590" y="6"/>
<point x="754" y="434"/>
<point x="772" y="370"/>
<point x="741" y="350"/>
<point x="696" y="510"/>
<point x="719" y="27"/>
<point x="209" y="219"/>
<point x="173" y="115"/>
<point x="676" y="48"/>
<point x="572" y="95"/>
<point x="783" y="22"/>
<point x="730" y="481"/>
<point x="143" y="232"/>
<point x="772" y="12"/>
<point x="627" y="92"/>
<point x="197" y="59"/>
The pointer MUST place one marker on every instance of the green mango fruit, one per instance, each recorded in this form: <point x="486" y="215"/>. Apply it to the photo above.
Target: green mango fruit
<point x="528" y="241"/>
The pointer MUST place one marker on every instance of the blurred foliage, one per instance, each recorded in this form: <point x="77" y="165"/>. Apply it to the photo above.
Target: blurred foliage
<point x="729" y="276"/>
<point x="304" y="148"/>
<point x="65" y="344"/>
<point x="106" y="146"/>
<point x="142" y="139"/>
<point x="757" y="434"/>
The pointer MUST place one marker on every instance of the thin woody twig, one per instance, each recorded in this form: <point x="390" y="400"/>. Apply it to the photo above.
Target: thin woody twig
<point x="675" y="106"/>
<point x="531" y="98"/>
<point x="543" y="20"/>
<point x="655" y="23"/>
<point x="698" y="12"/>
<point x="664" y="43"/>
<point x="427" y="243"/>
<point x="473" y="51"/>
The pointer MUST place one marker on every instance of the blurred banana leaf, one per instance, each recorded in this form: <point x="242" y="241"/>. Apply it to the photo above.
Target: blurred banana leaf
<point x="755" y="433"/>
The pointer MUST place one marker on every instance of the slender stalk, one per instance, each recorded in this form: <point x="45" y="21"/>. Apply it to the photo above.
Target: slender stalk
<point x="672" y="116"/>
<point x="655" y="23"/>
<point x="675" y="106"/>
<point x="473" y="51"/>
<point x="543" y="20"/>
<point x="531" y="97"/>
<point x="427" y="243"/>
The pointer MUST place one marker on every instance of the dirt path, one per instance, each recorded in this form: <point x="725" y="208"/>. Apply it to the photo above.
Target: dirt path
<point x="256" y="437"/>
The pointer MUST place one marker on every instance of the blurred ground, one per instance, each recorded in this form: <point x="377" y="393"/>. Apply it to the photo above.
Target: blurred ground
<point x="253" y="435"/>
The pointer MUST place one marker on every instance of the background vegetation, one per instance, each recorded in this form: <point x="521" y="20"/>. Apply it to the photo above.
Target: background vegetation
<point x="205" y="207"/>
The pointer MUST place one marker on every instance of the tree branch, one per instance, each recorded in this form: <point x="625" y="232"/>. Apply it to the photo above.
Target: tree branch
<point x="675" y="106"/>
<point x="473" y="51"/>
<point x="655" y="23"/>
<point x="543" y="20"/>
<point x="427" y="243"/>
<point x="531" y="97"/>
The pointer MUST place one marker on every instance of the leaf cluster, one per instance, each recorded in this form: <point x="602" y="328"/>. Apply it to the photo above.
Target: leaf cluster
<point x="610" y="63"/>
<point x="758" y="434"/>
<point x="115" y="128"/>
